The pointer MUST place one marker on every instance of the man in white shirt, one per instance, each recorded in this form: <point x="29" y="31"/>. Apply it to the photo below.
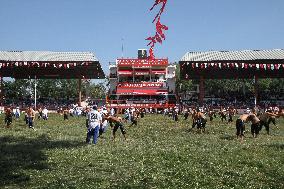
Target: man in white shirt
<point x="18" y="113"/>
<point x="44" y="113"/>
<point x="104" y="125"/>
<point x="94" y="122"/>
<point x="112" y="112"/>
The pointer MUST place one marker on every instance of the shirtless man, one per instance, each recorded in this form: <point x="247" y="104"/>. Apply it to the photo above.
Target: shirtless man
<point x="240" y="126"/>
<point x="211" y="115"/>
<point x="194" y="118"/>
<point x="201" y="121"/>
<point x="175" y="116"/>
<point x="223" y="115"/>
<point x="117" y="124"/>
<point x="271" y="119"/>
<point x="142" y="113"/>
<point x="31" y="117"/>
<point x="134" y="118"/>
<point x="8" y="117"/>
<point x="231" y="114"/>
<point x="254" y="124"/>
<point x="39" y="113"/>
<point x="186" y="114"/>
<point x="65" y="113"/>
<point x="264" y="120"/>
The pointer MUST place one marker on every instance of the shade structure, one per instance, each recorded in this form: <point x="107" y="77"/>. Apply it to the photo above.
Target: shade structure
<point x="233" y="64"/>
<point x="50" y="65"/>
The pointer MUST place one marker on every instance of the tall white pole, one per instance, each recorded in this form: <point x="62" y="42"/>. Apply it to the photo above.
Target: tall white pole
<point x="35" y="92"/>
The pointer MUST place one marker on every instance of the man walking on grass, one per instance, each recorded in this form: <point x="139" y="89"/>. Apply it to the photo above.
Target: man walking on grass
<point x="31" y="117"/>
<point x="94" y="122"/>
<point x="8" y="117"/>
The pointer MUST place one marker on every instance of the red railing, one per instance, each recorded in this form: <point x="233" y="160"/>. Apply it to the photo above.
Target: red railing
<point x="122" y="106"/>
<point x="142" y="62"/>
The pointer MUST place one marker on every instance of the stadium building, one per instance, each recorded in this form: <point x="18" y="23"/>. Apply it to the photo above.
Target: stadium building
<point x="141" y="83"/>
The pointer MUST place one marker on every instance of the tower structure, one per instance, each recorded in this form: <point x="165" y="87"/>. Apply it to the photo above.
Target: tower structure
<point x="142" y="83"/>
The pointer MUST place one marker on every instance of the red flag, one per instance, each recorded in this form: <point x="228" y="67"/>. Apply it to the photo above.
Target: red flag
<point x="151" y="52"/>
<point x="163" y="2"/>
<point x="160" y="27"/>
<point x="159" y="36"/>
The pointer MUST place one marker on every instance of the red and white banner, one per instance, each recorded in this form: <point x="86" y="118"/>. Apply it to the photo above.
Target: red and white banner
<point x="140" y="85"/>
<point x="140" y="105"/>
<point x="125" y="72"/>
<point x="145" y="72"/>
<point x="121" y="91"/>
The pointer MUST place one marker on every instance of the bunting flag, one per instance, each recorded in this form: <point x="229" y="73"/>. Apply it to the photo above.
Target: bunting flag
<point x="235" y="66"/>
<point x="160" y="28"/>
<point x="39" y="64"/>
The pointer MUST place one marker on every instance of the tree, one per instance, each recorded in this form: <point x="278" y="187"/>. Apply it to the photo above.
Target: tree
<point x="17" y="89"/>
<point x="98" y="90"/>
<point x="48" y="88"/>
<point x="183" y="85"/>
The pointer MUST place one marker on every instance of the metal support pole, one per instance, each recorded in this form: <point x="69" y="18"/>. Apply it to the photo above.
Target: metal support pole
<point x="201" y="90"/>
<point x="80" y="91"/>
<point x="255" y="90"/>
<point x="1" y="93"/>
<point x="35" y="92"/>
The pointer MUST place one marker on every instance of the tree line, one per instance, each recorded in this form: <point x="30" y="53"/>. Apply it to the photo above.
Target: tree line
<point x="20" y="89"/>
<point x="217" y="87"/>
<point x="65" y="89"/>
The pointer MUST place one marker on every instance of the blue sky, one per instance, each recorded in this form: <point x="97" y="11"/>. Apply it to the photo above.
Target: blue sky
<point x="100" y="25"/>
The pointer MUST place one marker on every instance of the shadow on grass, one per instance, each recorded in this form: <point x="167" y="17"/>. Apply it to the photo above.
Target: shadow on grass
<point x="227" y="137"/>
<point x="20" y="154"/>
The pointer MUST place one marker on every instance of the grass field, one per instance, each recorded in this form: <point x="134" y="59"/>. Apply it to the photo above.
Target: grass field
<point x="156" y="155"/>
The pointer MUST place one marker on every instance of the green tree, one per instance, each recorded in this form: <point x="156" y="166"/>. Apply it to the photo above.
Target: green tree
<point x="48" y="88"/>
<point x="16" y="89"/>
<point x="183" y="85"/>
<point x="98" y="90"/>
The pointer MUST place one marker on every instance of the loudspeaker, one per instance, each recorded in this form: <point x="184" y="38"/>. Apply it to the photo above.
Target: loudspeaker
<point x="142" y="53"/>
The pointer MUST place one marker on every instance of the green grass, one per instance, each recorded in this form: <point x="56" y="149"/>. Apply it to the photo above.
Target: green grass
<point x="156" y="155"/>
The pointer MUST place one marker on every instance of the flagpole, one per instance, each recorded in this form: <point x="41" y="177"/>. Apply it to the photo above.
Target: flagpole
<point x="122" y="47"/>
<point x="35" y="92"/>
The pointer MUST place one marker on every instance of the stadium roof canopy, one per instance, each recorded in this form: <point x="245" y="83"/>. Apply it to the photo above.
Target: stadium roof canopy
<point x="47" y="64"/>
<point x="233" y="64"/>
